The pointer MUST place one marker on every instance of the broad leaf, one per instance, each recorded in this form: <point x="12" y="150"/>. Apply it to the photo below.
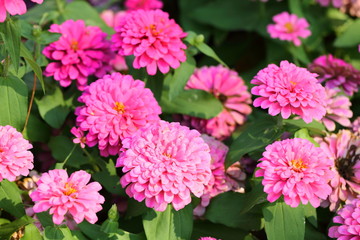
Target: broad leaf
<point x="58" y="233"/>
<point x="10" y="199"/>
<point x="218" y="231"/>
<point x="304" y="134"/>
<point x="350" y="37"/>
<point x="31" y="232"/>
<point x="11" y="34"/>
<point x="109" y="178"/>
<point x="7" y="229"/>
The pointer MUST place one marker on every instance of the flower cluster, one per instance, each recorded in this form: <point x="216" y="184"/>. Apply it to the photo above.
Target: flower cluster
<point x="114" y="108"/>
<point x="164" y="163"/>
<point x="230" y="89"/>
<point x="13" y="7"/>
<point x="80" y="52"/>
<point x="63" y="194"/>
<point x="15" y="157"/>
<point x="289" y="27"/>
<point x="289" y="89"/>
<point x="153" y="38"/>
<point x="296" y="169"/>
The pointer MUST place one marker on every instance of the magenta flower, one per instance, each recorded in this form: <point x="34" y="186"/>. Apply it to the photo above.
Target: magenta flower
<point x="337" y="109"/>
<point x="15" y="157"/>
<point x="356" y="126"/>
<point x="62" y="194"/>
<point x="164" y="163"/>
<point x="289" y="27"/>
<point x="230" y="89"/>
<point x="336" y="72"/>
<point x="153" y="38"/>
<point x="208" y="238"/>
<point x="80" y="52"/>
<point x="143" y="4"/>
<point x="13" y="7"/>
<point x="348" y="218"/>
<point x="296" y="169"/>
<point x="80" y="138"/>
<point x="343" y="152"/>
<point x="220" y="182"/>
<point x="114" y="108"/>
<point x="289" y="89"/>
<point x="335" y="3"/>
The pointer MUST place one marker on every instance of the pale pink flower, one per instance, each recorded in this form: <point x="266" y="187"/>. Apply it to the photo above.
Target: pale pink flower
<point x="164" y="163"/>
<point x="336" y="72"/>
<point x="80" y="138"/>
<point x="114" y="108"/>
<point x="337" y="109"/>
<point x="111" y="18"/>
<point x="220" y="182"/>
<point x="153" y="38"/>
<point x="80" y="52"/>
<point x="296" y="169"/>
<point x="343" y="152"/>
<point x="356" y="126"/>
<point x="227" y="86"/>
<point x="143" y="4"/>
<point x="289" y="27"/>
<point x="208" y="238"/>
<point x="13" y="7"/>
<point x="289" y="89"/>
<point x="15" y="157"/>
<point x="348" y="218"/>
<point x="335" y="3"/>
<point x="62" y="194"/>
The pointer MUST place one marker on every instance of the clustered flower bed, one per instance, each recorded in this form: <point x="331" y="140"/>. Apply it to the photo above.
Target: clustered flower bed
<point x="201" y="120"/>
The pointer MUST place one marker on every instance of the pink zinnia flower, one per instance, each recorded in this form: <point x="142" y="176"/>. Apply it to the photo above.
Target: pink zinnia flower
<point x="153" y="38"/>
<point x="356" y="126"/>
<point x="13" y="7"/>
<point x="227" y="86"/>
<point x="343" y="152"/>
<point x="80" y="138"/>
<point x="289" y="27"/>
<point x="289" y="89"/>
<point x="15" y="157"/>
<point x="335" y="3"/>
<point x="336" y="72"/>
<point x="143" y="4"/>
<point x="80" y="52"/>
<point x="337" y="109"/>
<point x="296" y="169"/>
<point x="208" y="238"/>
<point x="111" y="18"/>
<point x="348" y="218"/>
<point x="220" y="182"/>
<point x="62" y="194"/>
<point x="164" y="163"/>
<point x="114" y="108"/>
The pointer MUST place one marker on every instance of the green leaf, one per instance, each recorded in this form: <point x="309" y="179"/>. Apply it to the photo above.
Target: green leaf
<point x="40" y="11"/>
<point x="7" y="229"/>
<point x="314" y="127"/>
<point x="53" y="108"/>
<point x="283" y="222"/>
<point x="11" y="34"/>
<point x="13" y="99"/>
<point x="135" y="208"/>
<point x="208" y="51"/>
<point x="218" y="231"/>
<point x="299" y="53"/>
<point x="170" y="224"/>
<point x="350" y="36"/>
<point x="26" y="54"/>
<point x="31" y="232"/>
<point x="32" y="132"/>
<point x="181" y="76"/>
<point x="310" y="214"/>
<point x="10" y="199"/>
<point x="87" y="13"/>
<point x="311" y="233"/>
<point x="192" y="102"/>
<point x="58" y="233"/>
<point x="92" y="231"/>
<point x="295" y="7"/>
<point x="304" y="134"/>
<point x="109" y="178"/>
<point x="256" y="135"/>
<point x="111" y="225"/>
<point x="45" y="219"/>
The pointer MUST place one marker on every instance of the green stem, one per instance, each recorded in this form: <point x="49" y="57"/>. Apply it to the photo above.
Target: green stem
<point x="62" y="164"/>
<point x="60" y="6"/>
<point x="92" y="160"/>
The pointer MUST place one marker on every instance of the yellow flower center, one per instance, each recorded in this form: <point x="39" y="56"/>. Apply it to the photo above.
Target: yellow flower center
<point x="167" y="155"/>
<point x="69" y="189"/>
<point x="298" y="165"/>
<point x="289" y="27"/>
<point x="153" y="30"/>
<point x="74" y="45"/>
<point x="119" y="107"/>
<point x="293" y="83"/>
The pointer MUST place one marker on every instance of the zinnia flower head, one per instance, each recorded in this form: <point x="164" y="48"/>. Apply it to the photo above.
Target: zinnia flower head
<point x="335" y="3"/>
<point x="80" y="52"/>
<point x="80" y="138"/>
<point x="343" y="151"/>
<point x="296" y="169"/>
<point x="336" y="72"/>
<point x="208" y="238"/>
<point x="227" y="86"/>
<point x="337" y="109"/>
<point x="15" y="157"/>
<point x="289" y="27"/>
<point x="63" y="194"/>
<point x="153" y="38"/>
<point x="356" y="126"/>
<point x="13" y="7"/>
<point x="143" y="4"/>
<point x="114" y="108"/>
<point x="289" y="89"/>
<point x="351" y="7"/>
<point x="220" y="182"/>
<point x="164" y="163"/>
<point x="348" y="218"/>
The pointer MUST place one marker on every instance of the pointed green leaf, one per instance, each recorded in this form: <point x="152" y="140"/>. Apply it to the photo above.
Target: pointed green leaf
<point x="350" y="37"/>
<point x="7" y="229"/>
<point x="11" y="34"/>
<point x="31" y="232"/>
<point x="208" y="51"/>
<point x="10" y="198"/>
